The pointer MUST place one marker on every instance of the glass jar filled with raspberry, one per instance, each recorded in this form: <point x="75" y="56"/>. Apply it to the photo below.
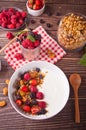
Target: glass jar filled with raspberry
<point x="30" y="44"/>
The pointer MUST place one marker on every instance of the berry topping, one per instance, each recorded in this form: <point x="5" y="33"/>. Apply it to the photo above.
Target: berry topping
<point x="27" y="96"/>
<point x="39" y="95"/>
<point x="27" y="102"/>
<point x="18" y="102"/>
<point x="33" y="82"/>
<point x="27" y="76"/>
<point x="35" y="110"/>
<point x="42" y="104"/>
<point x="33" y="89"/>
<point x="26" y="108"/>
<point x="34" y="102"/>
<point x="42" y="111"/>
<point x="25" y="89"/>
<point x="32" y="95"/>
<point x="10" y="35"/>
<point x="38" y="69"/>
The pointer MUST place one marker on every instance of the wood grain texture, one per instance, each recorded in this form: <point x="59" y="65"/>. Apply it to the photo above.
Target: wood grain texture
<point x="9" y="118"/>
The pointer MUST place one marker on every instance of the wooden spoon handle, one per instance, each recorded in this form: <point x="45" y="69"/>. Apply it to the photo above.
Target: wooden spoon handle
<point x="7" y="44"/>
<point x="77" y="112"/>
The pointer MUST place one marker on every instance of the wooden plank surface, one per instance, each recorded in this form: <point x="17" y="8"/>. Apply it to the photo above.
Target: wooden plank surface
<point x="9" y="118"/>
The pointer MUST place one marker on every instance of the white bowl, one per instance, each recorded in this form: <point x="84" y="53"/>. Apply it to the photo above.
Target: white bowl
<point x="35" y="12"/>
<point x="55" y="88"/>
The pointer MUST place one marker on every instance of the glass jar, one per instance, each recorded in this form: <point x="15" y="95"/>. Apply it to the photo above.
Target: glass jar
<point x="71" y="32"/>
<point x="30" y="54"/>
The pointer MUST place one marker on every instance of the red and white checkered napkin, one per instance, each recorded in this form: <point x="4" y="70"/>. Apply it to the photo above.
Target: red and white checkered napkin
<point x="47" y="44"/>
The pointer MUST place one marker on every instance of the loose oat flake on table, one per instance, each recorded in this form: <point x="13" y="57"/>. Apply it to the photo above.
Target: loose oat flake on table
<point x="47" y="43"/>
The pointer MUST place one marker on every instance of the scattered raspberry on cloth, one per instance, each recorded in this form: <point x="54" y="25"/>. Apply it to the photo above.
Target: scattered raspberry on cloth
<point x="48" y="43"/>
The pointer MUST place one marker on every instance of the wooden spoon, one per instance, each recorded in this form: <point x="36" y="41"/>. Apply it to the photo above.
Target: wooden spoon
<point x="75" y="81"/>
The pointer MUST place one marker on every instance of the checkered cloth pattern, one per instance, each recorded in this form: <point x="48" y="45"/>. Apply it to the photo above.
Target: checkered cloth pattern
<point x="48" y="43"/>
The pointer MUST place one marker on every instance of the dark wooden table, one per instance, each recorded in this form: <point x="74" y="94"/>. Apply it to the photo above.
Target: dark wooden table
<point x="9" y="118"/>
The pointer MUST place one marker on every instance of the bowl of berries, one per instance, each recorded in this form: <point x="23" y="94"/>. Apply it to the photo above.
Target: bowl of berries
<point x="30" y="44"/>
<point x="36" y="92"/>
<point x="12" y="18"/>
<point x="35" y="7"/>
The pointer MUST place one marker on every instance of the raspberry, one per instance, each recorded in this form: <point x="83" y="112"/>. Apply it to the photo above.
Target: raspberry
<point x="36" y="43"/>
<point x="18" y="25"/>
<point x="13" y="21"/>
<point x="4" y="19"/>
<point x="18" y="56"/>
<point x="4" y="25"/>
<point x="21" y="21"/>
<point x="27" y="76"/>
<point x="11" y="9"/>
<point x="11" y="17"/>
<point x="2" y="15"/>
<point x="25" y="43"/>
<point x="18" y="14"/>
<point x="23" y="14"/>
<point x="10" y="35"/>
<point x="11" y="26"/>
<point x="42" y="104"/>
<point x="33" y="89"/>
<point x="30" y="45"/>
<point x="39" y="95"/>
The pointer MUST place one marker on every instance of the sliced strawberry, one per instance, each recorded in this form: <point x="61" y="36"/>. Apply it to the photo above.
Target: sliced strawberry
<point x="35" y="109"/>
